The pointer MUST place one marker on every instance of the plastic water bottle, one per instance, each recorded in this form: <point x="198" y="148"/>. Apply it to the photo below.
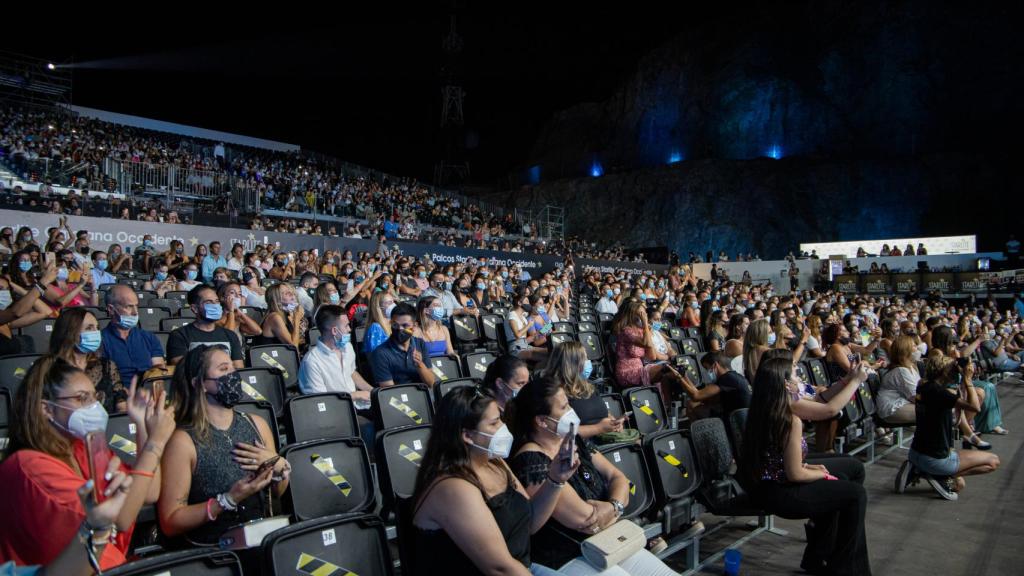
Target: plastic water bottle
<point x="732" y="562"/>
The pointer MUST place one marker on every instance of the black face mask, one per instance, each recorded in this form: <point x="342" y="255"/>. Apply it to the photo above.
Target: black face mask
<point x="229" y="389"/>
<point x="401" y="336"/>
<point x="246" y="277"/>
<point x="844" y="341"/>
<point x="84" y="250"/>
<point x="527" y="308"/>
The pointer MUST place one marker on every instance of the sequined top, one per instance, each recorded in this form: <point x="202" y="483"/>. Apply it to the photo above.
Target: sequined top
<point x="774" y="470"/>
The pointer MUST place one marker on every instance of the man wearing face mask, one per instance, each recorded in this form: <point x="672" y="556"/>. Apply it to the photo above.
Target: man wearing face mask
<point x="100" y="276"/>
<point x="401" y="359"/>
<point x="607" y="305"/>
<point x="131" y="348"/>
<point x="203" y="330"/>
<point x="441" y="290"/>
<point x="330" y="365"/>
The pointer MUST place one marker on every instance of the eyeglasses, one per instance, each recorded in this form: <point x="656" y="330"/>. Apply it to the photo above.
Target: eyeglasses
<point x="85" y="397"/>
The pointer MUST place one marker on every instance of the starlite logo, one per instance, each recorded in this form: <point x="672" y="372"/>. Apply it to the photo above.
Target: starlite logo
<point x="847" y="286"/>
<point x="878" y="286"/>
<point x="972" y="285"/>
<point x="940" y="285"/>
<point x="906" y="286"/>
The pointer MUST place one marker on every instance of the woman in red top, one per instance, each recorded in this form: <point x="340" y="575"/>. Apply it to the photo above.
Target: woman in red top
<point x="55" y="407"/>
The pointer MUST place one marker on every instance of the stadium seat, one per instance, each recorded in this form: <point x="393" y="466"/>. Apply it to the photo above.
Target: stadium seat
<point x="475" y="365"/>
<point x="329" y="477"/>
<point x="648" y="410"/>
<point x="401" y="405"/>
<point x="466" y="333"/>
<point x="443" y="388"/>
<point x="254" y="313"/>
<point x="13" y="369"/>
<point x="556" y="339"/>
<point x="613" y="402"/>
<point x="586" y="326"/>
<point x="592" y="345"/>
<point x="737" y="424"/>
<point x="325" y="415"/>
<point x="265" y="384"/>
<point x="339" y="545"/>
<point x="445" y="368"/>
<point x="563" y="328"/>
<point x="399" y="453"/>
<point x="630" y="460"/>
<point x="690" y="346"/>
<point x="163" y="337"/>
<point x="719" y="490"/>
<point x="172" y="324"/>
<point x="280" y="356"/>
<point x="121" y="438"/>
<point x="204" y="561"/>
<point x="688" y="366"/>
<point x="818" y="372"/>
<point x="150" y="317"/>
<point x="178" y="295"/>
<point x="675" y="476"/>
<point x="40" y="333"/>
<point x="173" y="304"/>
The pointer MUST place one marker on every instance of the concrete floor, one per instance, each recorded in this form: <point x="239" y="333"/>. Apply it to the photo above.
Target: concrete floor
<point x="917" y="532"/>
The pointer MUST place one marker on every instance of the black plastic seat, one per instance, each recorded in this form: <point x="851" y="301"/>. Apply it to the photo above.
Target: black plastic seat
<point x="340" y="545"/>
<point x="329" y="477"/>
<point x="630" y="460"/>
<point x="647" y="407"/>
<point x="326" y="415"/>
<point x="399" y="453"/>
<point x="211" y="562"/>
<point x="401" y="405"/>
<point x="283" y="357"/>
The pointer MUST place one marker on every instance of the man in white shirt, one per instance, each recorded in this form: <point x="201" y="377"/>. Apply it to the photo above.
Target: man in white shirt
<point x="607" y="305"/>
<point x="330" y="365"/>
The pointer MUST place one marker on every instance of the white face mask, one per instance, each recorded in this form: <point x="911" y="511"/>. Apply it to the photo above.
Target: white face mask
<point x="92" y="418"/>
<point x="500" y="445"/>
<point x="5" y="299"/>
<point x="565" y="422"/>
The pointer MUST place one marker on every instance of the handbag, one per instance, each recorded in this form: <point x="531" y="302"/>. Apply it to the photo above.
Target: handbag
<point x="613" y="544"/>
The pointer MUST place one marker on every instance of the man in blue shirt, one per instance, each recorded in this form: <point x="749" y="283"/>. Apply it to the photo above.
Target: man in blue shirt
<point x="213" y="261"/>
<point x="100" y="275"/>
<point x="400" y="359"/>
<point x="133" y="349"/>
<point x="391" y="228"/>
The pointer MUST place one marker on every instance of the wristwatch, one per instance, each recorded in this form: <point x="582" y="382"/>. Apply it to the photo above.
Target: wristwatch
<point x="619" y="508"/>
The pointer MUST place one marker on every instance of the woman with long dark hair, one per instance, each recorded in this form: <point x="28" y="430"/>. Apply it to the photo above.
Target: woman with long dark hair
<point x="76" y="338"/>
<point x="774" y="470"/>
<point x="505" y="377"/>
<point x="469" y="510"/>
<point x="594" y="498"/>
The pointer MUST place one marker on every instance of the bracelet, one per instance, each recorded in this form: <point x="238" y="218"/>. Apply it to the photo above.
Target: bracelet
<point x="554" y="483"/>
<point x="209" y="510"/>
<point x="285" y="473"/>
<point x="224" y="499"/>
<point x="142" y="473"/>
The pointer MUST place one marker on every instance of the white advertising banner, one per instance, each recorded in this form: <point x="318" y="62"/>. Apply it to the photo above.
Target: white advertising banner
<point x="934" y="246"/>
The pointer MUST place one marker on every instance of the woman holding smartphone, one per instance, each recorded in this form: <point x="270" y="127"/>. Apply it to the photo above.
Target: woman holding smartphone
<point x="469" y="510"/>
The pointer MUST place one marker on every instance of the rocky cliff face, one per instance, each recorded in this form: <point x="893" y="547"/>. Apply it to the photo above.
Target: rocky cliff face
<point x="887" y="119"/>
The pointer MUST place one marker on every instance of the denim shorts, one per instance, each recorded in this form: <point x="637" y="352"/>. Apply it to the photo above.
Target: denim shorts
<point x="947" y="466"/>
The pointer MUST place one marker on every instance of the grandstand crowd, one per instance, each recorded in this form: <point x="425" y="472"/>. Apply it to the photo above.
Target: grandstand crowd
<point x="529" y="381"/>
<point x="511" y="417"/>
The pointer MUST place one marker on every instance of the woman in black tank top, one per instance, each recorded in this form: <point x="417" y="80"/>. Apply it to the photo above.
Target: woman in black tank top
<point x="211" y="480"/>
<point x="469" y="514"/>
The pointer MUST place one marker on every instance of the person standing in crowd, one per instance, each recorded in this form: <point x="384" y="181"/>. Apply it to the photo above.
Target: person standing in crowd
<point x="212" y="261"/>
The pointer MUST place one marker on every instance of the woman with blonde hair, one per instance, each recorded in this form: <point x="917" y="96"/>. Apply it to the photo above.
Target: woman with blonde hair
<point x="715" y="331"/>
<point x="379" y="316"/>
<point x="899" y="385"/>
<point x="285" y="319"/>
<point x="570" y="367"/>
<point x="757" y="340"/>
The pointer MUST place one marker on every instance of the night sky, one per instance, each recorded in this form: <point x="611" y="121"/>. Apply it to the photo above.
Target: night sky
<point x="364" y="88"/>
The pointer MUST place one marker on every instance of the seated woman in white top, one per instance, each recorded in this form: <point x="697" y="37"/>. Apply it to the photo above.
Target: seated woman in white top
<point x="191" y="278"/>
<point x="253" y="294"/>
<point x="527" y="341"/>
<point x="899" y="385"/>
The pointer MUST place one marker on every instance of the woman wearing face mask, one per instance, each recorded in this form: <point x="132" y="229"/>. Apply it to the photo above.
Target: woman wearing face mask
<point x="210" y="467"/>
<point x="76" y="339"/>
<point x="119" y="261"/>
<point x="327" y="295"/>
<point x="633" y="345"/>
<point x="55" y="408"/>
<point x="715" y="332"/>
<point x="253" y="294"/>
<point x="64" y="293"/>
<point x="21" y="306"/>
<point x="191" y="277"/>
<point x="431" y="328"/>
<point x="7" y="241"/>
<point x="463" y="469"/>
<point x="285" y="319"/>
<point x="25" y="239"/>
<point x="200" y="254"/>
<point x="527" y="342"/>
<point x="505" y="377"/>
<point x="234" y="318"/>
<point x="594" y="497"/>
<point x="662" y="350"/>
<point x="381" y="305"/>
<point x="162" y="281"/>
<point x="570" y="367"/>
<point x="174" y="257"/>
<point x="690" y="317"/>
<point x="479" y="293"/>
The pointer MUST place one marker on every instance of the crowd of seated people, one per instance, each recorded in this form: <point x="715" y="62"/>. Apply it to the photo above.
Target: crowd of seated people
<point x="367" y="321"/>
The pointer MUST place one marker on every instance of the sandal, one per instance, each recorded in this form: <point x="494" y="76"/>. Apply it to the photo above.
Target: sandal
<point x="1000" y="431"/>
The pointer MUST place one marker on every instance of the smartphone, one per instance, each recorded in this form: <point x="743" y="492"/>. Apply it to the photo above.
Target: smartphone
<point x="268" y="463"/>
<point x="572" y="443"/>
<point x="627" y="415"/>
<point x="50" y="258"/>
<point x="98" y="454"/>
<point x="74" y="276"/>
